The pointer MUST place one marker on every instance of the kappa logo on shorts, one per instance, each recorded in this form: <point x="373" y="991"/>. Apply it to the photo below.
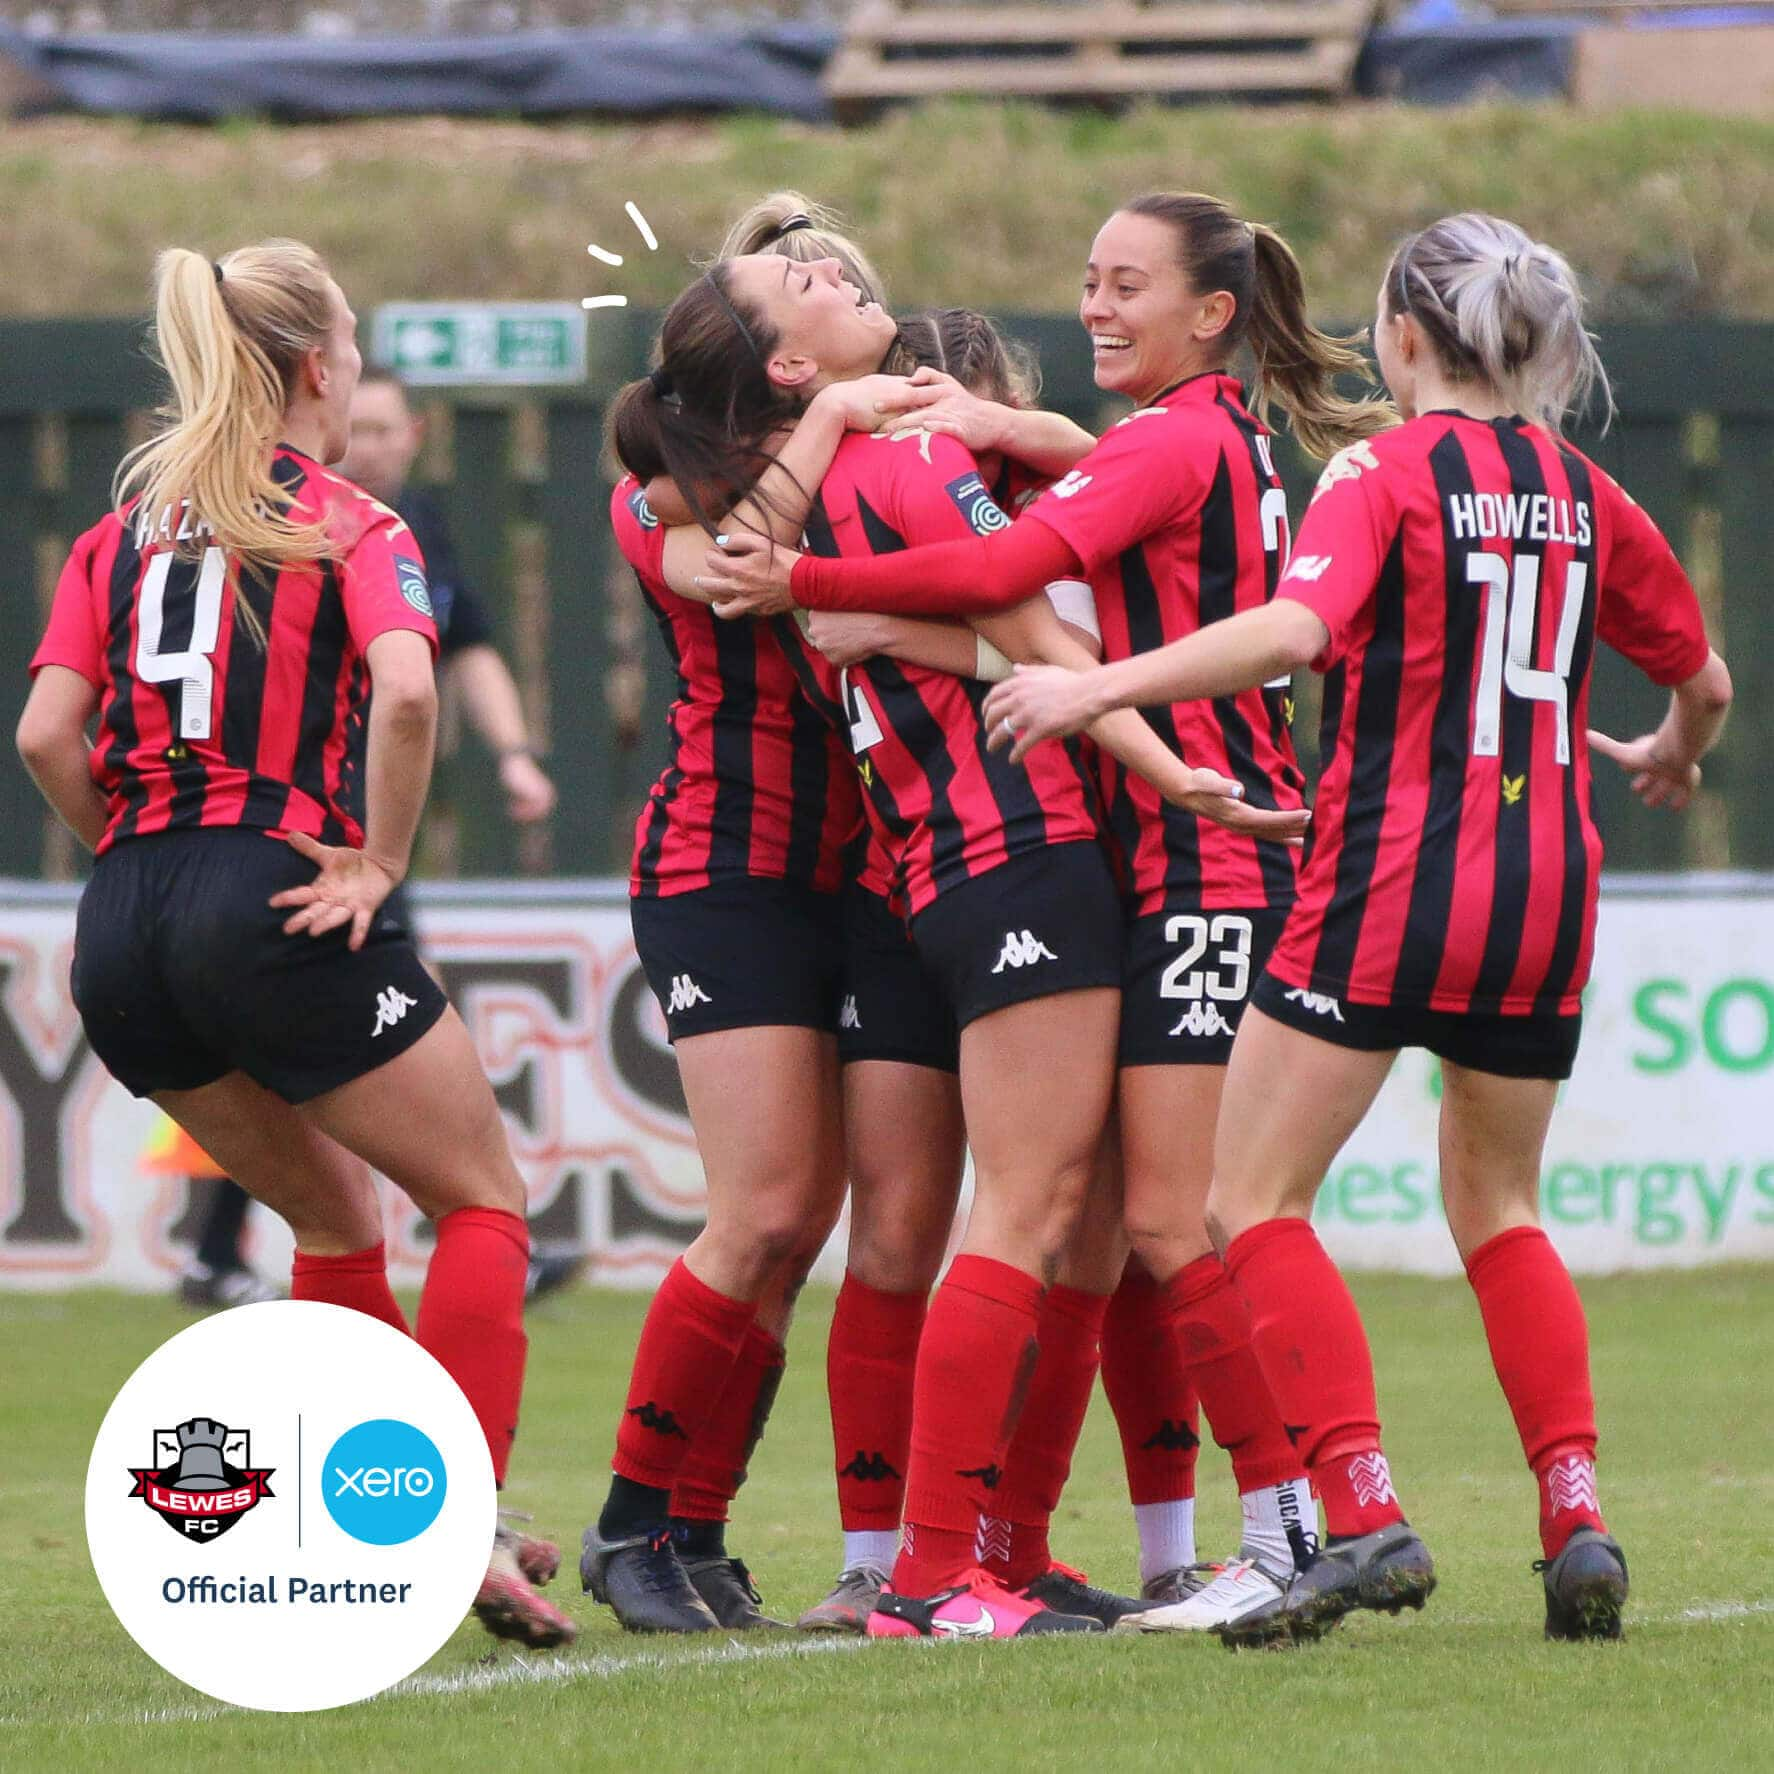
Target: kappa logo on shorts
<point x="685" y="993"/>
<point x="1319" y="1003"/>
<point x="847" y="1017"/>
<point x="391" y="1006"/>
<point x="1202" y="1019"/>
<point x="203" y="1483"/>
<point x="1022" y="948"/>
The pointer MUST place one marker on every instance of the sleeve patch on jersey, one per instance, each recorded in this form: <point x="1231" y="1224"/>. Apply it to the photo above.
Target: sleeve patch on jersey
<point x="410" y="576"/>
<point x="644" y="514"/>
<point x="975" y="503"/>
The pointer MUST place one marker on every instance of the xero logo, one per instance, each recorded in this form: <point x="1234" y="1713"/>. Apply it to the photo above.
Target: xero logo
<point x="383" y="1482"/>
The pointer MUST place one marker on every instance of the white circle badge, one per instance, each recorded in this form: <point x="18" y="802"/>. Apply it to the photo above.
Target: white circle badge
<point x="290" y="1506"/>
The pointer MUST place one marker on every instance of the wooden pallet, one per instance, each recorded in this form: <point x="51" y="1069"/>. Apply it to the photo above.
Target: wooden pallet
<point x="1103" y="49"/>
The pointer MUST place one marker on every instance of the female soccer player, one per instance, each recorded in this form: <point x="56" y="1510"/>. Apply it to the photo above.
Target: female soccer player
<point x="225" y="624"/>
<point x="1178" y="520"/>
<point x="1026" y="965"/>
<point x="1451" y="578"/>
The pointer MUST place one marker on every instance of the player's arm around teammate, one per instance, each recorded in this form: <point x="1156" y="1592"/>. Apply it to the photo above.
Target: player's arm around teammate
<point x="241" y="981"/>
<point x="1450" y="898"/>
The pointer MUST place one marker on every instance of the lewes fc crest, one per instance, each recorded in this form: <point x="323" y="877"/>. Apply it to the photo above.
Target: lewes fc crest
<point x="204" y="1481"/>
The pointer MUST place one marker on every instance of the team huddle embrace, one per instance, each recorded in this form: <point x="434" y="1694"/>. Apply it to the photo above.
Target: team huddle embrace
<point x="982" y="834"/>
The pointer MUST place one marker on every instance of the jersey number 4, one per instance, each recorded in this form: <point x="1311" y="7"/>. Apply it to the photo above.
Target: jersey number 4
<point x="1511" y="608"/>
<point x="191" y="668"/>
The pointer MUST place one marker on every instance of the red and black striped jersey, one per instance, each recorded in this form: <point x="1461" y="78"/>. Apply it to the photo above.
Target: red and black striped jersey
<point x="201" y="724"/>
<point x="946" y="806"/>
<point x="1465" y="569"/>
<point x="757" y="782"/>
<point x="1180" y="520"/>
<point x="872" y="863"/>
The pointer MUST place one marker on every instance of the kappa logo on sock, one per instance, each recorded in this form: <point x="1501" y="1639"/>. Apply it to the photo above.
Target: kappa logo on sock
<point x="869" y="1468"/>
<point x="1371" y="1478"/>
<point x="1172" y="1436"/>
<point x="1570" y="1485"/>
<point x="987" y="1475"/>
<point x="1294" y="1431"/>
<point x="650" y="1416"/>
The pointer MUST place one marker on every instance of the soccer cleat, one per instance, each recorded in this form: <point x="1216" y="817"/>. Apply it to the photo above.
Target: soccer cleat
<point x="1384" y="1571"/>
<point x="641" y="1581"/>
<point x="214" y="1289"/>
<point x="539" y="1560"/>
<point x="508" y="1606"/>
<point x="850" y="1603"/>
<point x="552" y="1270"/>
<point x="979" y="1608"/>
<point x="727" y="1590"/>
<point x="1585" y="1587"/>
<point x="1178" y="1585"/>
<point x="1241" y="1588"/>
<point x="1067" y="1591"/>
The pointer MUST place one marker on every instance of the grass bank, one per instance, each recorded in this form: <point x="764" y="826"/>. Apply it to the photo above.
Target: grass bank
<point x="1666" y="214"/>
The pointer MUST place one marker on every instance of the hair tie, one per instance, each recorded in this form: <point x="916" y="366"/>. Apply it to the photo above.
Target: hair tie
<point x="1510" y="261"/>
<point x="736" y="317"/>
<point x="790" y="224"/>
<point x="662" y="383"/>
<point x="216" y="266"/>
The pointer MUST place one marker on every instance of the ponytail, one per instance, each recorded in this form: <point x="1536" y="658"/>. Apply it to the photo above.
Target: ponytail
<point x="230" y="336"/>
<point x="1297" y="364"/>
<point x="795" y="227"/>
<point x="1501" y="309"/>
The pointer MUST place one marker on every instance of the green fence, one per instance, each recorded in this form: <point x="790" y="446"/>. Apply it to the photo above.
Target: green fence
<point x="525" y="486"/>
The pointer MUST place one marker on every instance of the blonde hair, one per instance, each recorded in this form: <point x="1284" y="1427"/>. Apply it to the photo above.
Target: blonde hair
<point x="812" y="232"/>
<point x="1296" y="364"/>
<point x="231" y="336"/>
<point x="1502" y="309"/>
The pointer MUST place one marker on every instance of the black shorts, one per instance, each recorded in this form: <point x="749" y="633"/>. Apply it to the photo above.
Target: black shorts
<point x="182" y="972"/>
<point x="1044" y="922"/>
<point x="743" y="952"/>
<point x="1187" y="979"/>
<point x="1527" y="1046"/>
<point x="894" y="1007"/>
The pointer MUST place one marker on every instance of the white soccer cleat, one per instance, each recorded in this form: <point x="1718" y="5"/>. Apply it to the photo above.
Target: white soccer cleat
<point x="1240" y="1589"/>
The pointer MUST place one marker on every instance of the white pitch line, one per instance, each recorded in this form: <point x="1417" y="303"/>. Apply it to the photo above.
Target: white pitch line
<point x="519" y="1670"/>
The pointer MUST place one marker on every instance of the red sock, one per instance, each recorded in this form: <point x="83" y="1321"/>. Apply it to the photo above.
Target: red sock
<point x="1013" y="1534"/>
<point x="688" y="1346"/>
<point x="1210" y="1323"/>
<point x="1314" y="1354"/>
<point x="714" y="1468"/>
<point x="358" y="1281"/>
<point x="471" y="1316"/>
<point x="869" y="1363"/>
<point x="1150" y="1392"/>
<point x="1534" y="1323"/>
<point x="975" y="1361"/>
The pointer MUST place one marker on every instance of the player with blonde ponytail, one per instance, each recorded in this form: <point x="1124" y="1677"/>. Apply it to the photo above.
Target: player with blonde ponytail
<point x="251" y="805"/>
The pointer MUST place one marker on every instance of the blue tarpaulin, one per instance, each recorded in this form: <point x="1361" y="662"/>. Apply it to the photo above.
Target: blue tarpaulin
<point x="523" y="74"/>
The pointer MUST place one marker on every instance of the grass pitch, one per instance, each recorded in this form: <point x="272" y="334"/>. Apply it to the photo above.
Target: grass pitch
<point x="1688" y="1476"/>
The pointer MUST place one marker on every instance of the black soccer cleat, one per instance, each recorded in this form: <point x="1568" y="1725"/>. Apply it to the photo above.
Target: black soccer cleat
<point x="728" y="1592"/>
<point x="1067" y="1591"/>
<point x="1383" y="1571"/>
<point x="641" y="1581"/>
<point x="1585" y="1587"/>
